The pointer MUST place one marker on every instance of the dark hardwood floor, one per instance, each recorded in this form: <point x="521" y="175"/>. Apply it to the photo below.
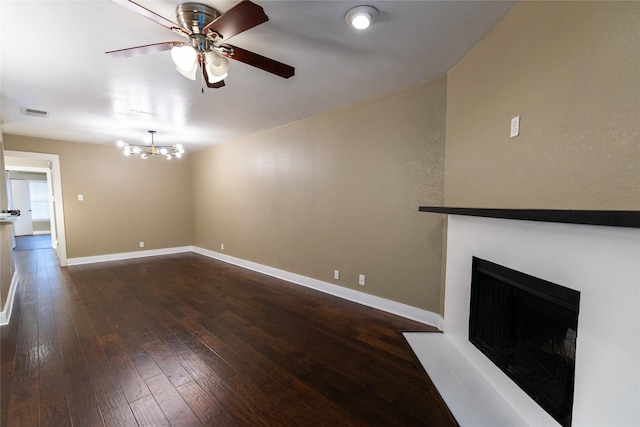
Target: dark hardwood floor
<point x="35" y="241"/>
<point x="184" y="340"/>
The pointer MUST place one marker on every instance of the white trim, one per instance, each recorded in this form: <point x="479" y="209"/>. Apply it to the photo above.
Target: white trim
<point x="393" y="307"/>
<point x="5" y="314"/>
<point x="128" y="255"/>
<point x="40" y="232"/>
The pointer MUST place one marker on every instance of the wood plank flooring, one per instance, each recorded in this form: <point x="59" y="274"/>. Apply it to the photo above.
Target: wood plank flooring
<point x="34" y="241"/>
<point x="183" y="340"/>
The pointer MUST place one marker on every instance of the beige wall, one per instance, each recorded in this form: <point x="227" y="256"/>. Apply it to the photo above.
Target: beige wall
<point x="571" y="70"/>
<point x="336" y="191"/>
<point x="29" y="176"/>
<point x="41" y="225"/>
<point x="6" y="262"/>
<point x="126" y="200"/>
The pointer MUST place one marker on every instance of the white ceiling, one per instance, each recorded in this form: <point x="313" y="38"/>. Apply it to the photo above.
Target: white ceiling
<point x="53" y="59"/>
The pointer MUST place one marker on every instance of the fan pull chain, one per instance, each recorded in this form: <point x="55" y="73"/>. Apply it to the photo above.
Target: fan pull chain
<point x="201" y="76"/>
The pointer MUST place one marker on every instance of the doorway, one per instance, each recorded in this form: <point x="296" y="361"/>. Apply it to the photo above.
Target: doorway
<point x="48" y="164"/>
<point x="29" y="192"/>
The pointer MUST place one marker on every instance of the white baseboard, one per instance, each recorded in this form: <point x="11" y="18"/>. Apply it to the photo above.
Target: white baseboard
<point x="400" y="309"/>
<point x="5" y="314"/>
<point x="393" y="307"/>
<point x="35" y="233"/>
<point x="128" y="255"/>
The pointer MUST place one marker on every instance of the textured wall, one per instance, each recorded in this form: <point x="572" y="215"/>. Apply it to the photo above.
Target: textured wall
<point x="6" y="262"/>
<point x="336" y="191"/>
<point x="126" y="200"/>
<point x="41" y="226"/>
<point x="571" y="70"/>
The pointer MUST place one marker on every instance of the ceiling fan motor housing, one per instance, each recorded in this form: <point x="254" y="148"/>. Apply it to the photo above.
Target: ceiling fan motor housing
<point x="194" y="16"/>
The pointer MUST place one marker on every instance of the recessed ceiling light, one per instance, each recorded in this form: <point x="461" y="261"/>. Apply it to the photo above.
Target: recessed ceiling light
<point x="360" y="17"/>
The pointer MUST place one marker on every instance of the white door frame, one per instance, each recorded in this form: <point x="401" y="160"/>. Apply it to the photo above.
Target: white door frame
<point x="54" y="161"/>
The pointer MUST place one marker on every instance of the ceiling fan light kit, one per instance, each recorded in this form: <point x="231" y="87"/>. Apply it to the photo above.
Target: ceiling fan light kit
<point x="217" y="66"/>
<point x="144" y="151"/>
<point x="205" y="28"/>
<point x="190" y="74"/>
<point x="361" y="17"/>
<point x="184" y="56"/>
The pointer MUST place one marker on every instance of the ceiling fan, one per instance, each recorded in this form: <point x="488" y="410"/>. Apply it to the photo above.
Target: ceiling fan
<point x="205" y="29"/>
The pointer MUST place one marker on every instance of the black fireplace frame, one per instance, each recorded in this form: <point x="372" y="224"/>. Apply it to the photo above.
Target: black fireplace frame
<point x="512" y="354"/>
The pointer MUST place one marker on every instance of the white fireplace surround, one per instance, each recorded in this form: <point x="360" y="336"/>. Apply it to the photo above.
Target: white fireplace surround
<point x="601" y="262"/>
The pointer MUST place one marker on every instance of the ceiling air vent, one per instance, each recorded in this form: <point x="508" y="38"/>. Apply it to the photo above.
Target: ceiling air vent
<point x="34" y="112"/>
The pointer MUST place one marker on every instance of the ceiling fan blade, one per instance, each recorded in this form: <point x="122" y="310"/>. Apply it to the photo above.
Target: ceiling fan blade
<point x="239" y="18"/>
<point x="267" y="64"/>
<point x="205" y="74"/>
<point x="141" y="10"/>
<point x="143" y="50"/>
<point x="216" y="85"/>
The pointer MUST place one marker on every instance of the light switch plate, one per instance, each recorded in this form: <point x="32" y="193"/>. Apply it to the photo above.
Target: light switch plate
<point x="515" y="127"/>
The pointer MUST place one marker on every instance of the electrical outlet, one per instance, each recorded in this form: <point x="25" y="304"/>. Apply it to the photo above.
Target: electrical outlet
<point x="222" y="246"/>
<point x="336" y="274"/>
<point x="142" y="244"/>
<point x="361" y="280"/>
<point x="80" y="197"/>
<point x="515" y="127"/>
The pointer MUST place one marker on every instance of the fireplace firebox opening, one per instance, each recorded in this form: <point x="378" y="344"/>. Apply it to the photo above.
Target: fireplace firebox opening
<point x="527" y="327"/>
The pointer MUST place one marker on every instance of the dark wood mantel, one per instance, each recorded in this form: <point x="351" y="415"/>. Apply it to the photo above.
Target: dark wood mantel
<point x="589" y="217"/>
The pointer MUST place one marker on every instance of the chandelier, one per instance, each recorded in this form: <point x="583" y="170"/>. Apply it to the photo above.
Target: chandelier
<point x="144" y="151"/>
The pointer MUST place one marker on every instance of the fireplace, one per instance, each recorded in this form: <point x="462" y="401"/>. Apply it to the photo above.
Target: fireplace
<point x="597" y="255"/>
<point x="527" y="327"/>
